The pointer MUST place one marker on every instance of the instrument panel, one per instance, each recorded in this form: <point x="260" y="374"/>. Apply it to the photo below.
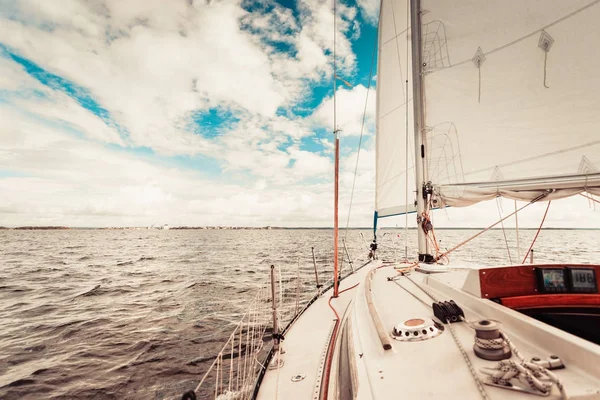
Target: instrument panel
<point x="566" y="280"/>
<point x="583" y="280"/>
<point x="528" y="280"/>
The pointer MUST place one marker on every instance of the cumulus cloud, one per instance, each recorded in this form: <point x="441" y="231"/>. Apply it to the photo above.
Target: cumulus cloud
<point x="99" y="100"/>
<point x="370" y="10"/>
<point x="146" y="71"/>
<point x="350" y="110"/>
<point x="152" y="65"/>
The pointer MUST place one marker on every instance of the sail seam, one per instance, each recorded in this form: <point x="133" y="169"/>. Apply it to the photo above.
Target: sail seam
<point x="523" y="160"/>
<point x="394" y="109"/>
<point x="558" y="21"/>
<point x="395" y="37"/>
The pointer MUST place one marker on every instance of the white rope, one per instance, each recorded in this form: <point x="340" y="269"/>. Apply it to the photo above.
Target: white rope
<point x="533" y="376"/>
<point x="525" y="374"/>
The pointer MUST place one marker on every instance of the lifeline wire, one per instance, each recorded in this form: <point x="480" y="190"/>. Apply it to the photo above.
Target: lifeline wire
<point x="362" y="126"/>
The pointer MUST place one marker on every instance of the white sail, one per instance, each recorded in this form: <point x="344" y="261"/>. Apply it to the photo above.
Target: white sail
<point x="395" y="194"/>
<point x="394" y="115"/>
<point x="515" y="86"/>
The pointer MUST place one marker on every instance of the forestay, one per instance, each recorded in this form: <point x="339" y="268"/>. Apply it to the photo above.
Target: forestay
<point x="511" y="98"/>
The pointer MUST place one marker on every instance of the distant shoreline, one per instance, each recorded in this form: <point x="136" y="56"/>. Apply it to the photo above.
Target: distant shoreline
<point x="31" y="228"/>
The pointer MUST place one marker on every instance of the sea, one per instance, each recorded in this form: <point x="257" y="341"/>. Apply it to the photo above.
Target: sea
<point x="141" y="314"/>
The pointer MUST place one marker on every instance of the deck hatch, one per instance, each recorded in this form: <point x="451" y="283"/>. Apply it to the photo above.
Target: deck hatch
<point x="416" y="329"/>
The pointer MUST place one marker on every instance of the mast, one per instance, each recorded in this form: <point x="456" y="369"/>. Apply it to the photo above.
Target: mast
<point x="337" y="165"/>
<point x="421" y="172"/>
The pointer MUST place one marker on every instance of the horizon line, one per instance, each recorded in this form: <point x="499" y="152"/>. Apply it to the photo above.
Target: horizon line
<point x="265" y="227"/>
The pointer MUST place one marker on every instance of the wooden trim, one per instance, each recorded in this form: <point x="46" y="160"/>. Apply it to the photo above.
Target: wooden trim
<point x="552" y="301"/>
<point x="519" y="280"/>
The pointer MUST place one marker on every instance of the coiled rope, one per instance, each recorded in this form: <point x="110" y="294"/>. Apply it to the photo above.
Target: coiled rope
<point x="536" y="377"/>
<point x="506" y="372"/>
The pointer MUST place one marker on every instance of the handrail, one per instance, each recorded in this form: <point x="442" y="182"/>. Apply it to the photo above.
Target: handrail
<point x="243" y="360"/>
<point x="381" y="332"/>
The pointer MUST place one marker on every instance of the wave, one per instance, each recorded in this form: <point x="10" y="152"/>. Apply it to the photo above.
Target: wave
<point x="91" y="292"/>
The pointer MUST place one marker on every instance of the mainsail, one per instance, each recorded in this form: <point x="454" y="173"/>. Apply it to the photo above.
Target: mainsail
<point x="511" y="100"/>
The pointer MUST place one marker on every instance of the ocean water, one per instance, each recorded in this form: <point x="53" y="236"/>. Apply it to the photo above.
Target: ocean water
<point x="141" y="314"/>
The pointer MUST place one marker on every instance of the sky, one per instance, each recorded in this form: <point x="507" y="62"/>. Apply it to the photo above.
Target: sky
<point x="188" y="112"/>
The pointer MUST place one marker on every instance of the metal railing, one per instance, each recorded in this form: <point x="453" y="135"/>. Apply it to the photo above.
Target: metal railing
<point x="244" y="358"/>
<point x="234" y="372"/>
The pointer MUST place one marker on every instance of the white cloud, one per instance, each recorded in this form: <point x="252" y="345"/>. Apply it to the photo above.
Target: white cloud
<point x="370" y="10"/>
<point x="350" y="110"/>
<point x="68" y="180"/>
<point x="151" y="67"/>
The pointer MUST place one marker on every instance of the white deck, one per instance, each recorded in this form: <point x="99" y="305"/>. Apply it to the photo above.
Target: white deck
<point x="429" y="369"/>
<point x="305" y="346"/>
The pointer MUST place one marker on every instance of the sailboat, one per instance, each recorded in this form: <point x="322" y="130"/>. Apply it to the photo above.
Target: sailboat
<point x="475" y="101"/>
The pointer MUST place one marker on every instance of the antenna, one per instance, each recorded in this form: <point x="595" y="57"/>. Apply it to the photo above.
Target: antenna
<point x="337" y="164"/>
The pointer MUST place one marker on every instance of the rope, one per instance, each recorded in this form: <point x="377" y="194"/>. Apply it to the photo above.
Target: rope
<point x="535" y="377"/>
<point x="545" y="61"/>
<point x="538" y="378"/>
<point x="406" y="139"/>
<point x="589" y="198"/>
<point x="408" y="268"/>
<point x="517" y="229"/>
<point x="537" y="233"/>
<point x="479" y="90"/>
<point x="474" y="374"/>
<point x="332" y="343"/>
<point x="351" y="287"/>
<point x="464" y="354"/>
<point x="427" y="292"/>
<point x="503" y="231"/>
<point x="330" y="351"/>
<point x="491" y="226"/>
<point x="362" y="126"/>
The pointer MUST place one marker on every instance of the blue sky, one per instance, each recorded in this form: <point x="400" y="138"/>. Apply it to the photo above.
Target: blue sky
<point x="137" y="112"/>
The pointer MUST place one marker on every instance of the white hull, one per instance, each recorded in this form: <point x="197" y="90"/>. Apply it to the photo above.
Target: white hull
<point x="430" y="369"/>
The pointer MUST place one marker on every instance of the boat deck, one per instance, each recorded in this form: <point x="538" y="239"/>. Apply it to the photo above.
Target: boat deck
<point x="305" y="346"/>
<point x="434" y="368"/>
